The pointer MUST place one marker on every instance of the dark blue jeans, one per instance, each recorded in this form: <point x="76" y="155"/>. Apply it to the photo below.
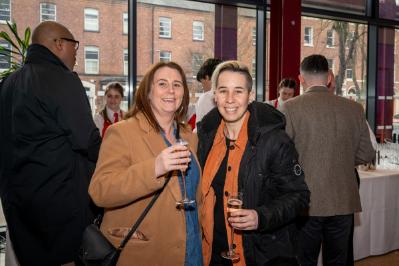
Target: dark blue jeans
<point x="333" y="231"/>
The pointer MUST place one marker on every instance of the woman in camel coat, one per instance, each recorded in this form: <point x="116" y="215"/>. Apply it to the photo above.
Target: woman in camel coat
<point x="136" y="157"/>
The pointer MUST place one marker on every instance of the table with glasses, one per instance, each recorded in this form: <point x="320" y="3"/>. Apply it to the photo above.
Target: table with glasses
<point x="377" y="226"/>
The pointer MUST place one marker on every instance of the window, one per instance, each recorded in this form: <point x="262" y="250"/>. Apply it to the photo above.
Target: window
<point x="165" y="27"/>
<point x="5" y="62"/>
<point x="196" y="60"/>
<point x="254" y="36"/>
<point x="198" y="30"/>
<point x="5" y="10"/>
<point x="331" y="64"/>
<point x="47" y="12"/>
<point x="125" y="23"/>
<point x="125" y="62"/>
<point x="165" y="56"/>
<point x="330" y="38"/>
<point x="91" y="60"/>
<point x="350" y="38"/>
<point x="349" y="73"/>
<point x="308" y="37"/>
<point x="91" y="19"/>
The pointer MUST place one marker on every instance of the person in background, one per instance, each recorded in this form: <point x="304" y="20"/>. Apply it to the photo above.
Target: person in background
<point x="49" y="147"/>
<point x="206" y="102"/>
<point x="332" y="137"/>
<point x="136" y="157"/>
<point x="243" y="148"/>
<point x="112" y="112"/>
<point x="286" y="90"/>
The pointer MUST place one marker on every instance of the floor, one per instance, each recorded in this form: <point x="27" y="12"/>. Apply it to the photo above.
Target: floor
<point x="390" y="259"/>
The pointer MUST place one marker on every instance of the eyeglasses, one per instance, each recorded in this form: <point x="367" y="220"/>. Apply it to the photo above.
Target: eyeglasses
<point x="70" y="40"/>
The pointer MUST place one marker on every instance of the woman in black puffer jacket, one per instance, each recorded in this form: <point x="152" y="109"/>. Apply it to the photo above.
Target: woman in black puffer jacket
<point x="243" y="147"/>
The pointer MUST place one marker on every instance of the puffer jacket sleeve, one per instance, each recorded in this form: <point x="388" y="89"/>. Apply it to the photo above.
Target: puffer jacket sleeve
<point x="286" y="178"/>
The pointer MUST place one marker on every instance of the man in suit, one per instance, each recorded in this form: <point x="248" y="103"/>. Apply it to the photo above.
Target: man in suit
<point x="332" y="137"/>
<point x="49" y="146"/>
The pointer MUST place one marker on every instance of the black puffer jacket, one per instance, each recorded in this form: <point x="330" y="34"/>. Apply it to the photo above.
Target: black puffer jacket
<point x="270" y="178"/>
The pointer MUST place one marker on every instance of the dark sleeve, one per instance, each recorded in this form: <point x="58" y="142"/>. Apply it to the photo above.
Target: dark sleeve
<point x="292" y="195"/>
<point x="74" y="116"/>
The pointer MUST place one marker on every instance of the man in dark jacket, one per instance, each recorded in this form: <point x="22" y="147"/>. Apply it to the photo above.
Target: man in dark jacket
<point x="49" y="146"/>
<point x="268" y="175"/>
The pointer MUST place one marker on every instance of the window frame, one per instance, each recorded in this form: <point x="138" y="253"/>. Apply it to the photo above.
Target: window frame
<point x="310" y="43"/>
<point x="3" y="21"/>
<point x="41" y="11"/>
<point x="161" y="57"/>
<point x="92" y="49"/>
<point x="195" y="58"/>
<point x="87" y="22"/>
<point x="165" y="34"/>
<point x="8" y="46"/>
<point x="125" y="23"/>
<point x="125" y="62"/>
<point x="330" y="39"/>
<point x="201" y="24"/>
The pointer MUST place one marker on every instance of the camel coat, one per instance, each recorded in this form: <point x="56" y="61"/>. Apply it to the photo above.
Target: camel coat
<point x="124" y="183"/>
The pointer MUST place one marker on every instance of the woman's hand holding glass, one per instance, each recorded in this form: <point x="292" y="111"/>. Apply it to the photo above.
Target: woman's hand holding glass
<point x="244" y="219"/>
<point x="175" y="157"/>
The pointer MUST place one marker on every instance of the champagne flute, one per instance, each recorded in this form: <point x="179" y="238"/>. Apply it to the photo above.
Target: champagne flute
<point x="185" y="201"/>
<point x="234" y="203"/>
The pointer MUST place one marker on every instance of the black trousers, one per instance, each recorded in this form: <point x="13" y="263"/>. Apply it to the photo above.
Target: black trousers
<point x="333" y="231"/>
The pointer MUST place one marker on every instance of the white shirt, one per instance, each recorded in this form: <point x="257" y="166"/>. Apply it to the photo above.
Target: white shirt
<point x="99" y="119"/>
<point x="273" y="103"/>
<point x="205" y="104"/>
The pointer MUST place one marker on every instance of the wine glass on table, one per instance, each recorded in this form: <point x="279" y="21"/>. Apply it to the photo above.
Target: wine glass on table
<point x="234" y="203"/>
<point x="185" y="201"/>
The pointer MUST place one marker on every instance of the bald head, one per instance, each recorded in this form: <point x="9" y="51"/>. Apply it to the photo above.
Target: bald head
<point x="55" y="37"/>
<point x="47" y="31"/>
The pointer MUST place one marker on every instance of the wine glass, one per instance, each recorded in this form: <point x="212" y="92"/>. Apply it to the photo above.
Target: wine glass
<point x="185" y="201"/>
<point x="234" y="203"/>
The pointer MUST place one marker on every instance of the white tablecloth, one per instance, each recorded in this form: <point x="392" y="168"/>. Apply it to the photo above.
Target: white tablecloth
<point x="377" y="226"/>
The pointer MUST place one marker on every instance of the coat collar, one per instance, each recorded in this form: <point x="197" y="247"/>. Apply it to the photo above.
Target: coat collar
<point x="40" y="54"/>
<point x="320" y="88"/>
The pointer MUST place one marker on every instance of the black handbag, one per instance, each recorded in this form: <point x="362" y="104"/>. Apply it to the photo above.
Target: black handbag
<point x="96" y="250"/>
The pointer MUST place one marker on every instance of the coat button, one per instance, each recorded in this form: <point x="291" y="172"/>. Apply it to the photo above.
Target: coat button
<point x="226" y="193"/>
<point x="229" y="168"/>
<point x="231" y="147"/>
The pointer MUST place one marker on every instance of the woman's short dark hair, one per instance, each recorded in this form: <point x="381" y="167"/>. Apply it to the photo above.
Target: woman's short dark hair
<point x="287" y="83"/>
<point x="142" y="102"/>
<point x="207" y="68"/>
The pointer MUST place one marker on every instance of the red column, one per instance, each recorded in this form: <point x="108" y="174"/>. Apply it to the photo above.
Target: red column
<point x="385" y="82"/>
<point x="285" y="43"/>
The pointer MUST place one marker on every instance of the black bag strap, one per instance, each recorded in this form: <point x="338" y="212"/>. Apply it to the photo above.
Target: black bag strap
<point x="142" y="215"/>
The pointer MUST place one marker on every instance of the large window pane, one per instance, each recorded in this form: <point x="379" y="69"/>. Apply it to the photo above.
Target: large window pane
<point x="105" y="58"/>
<point x="344" y="45"/>
<point x="177" y="30"/>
